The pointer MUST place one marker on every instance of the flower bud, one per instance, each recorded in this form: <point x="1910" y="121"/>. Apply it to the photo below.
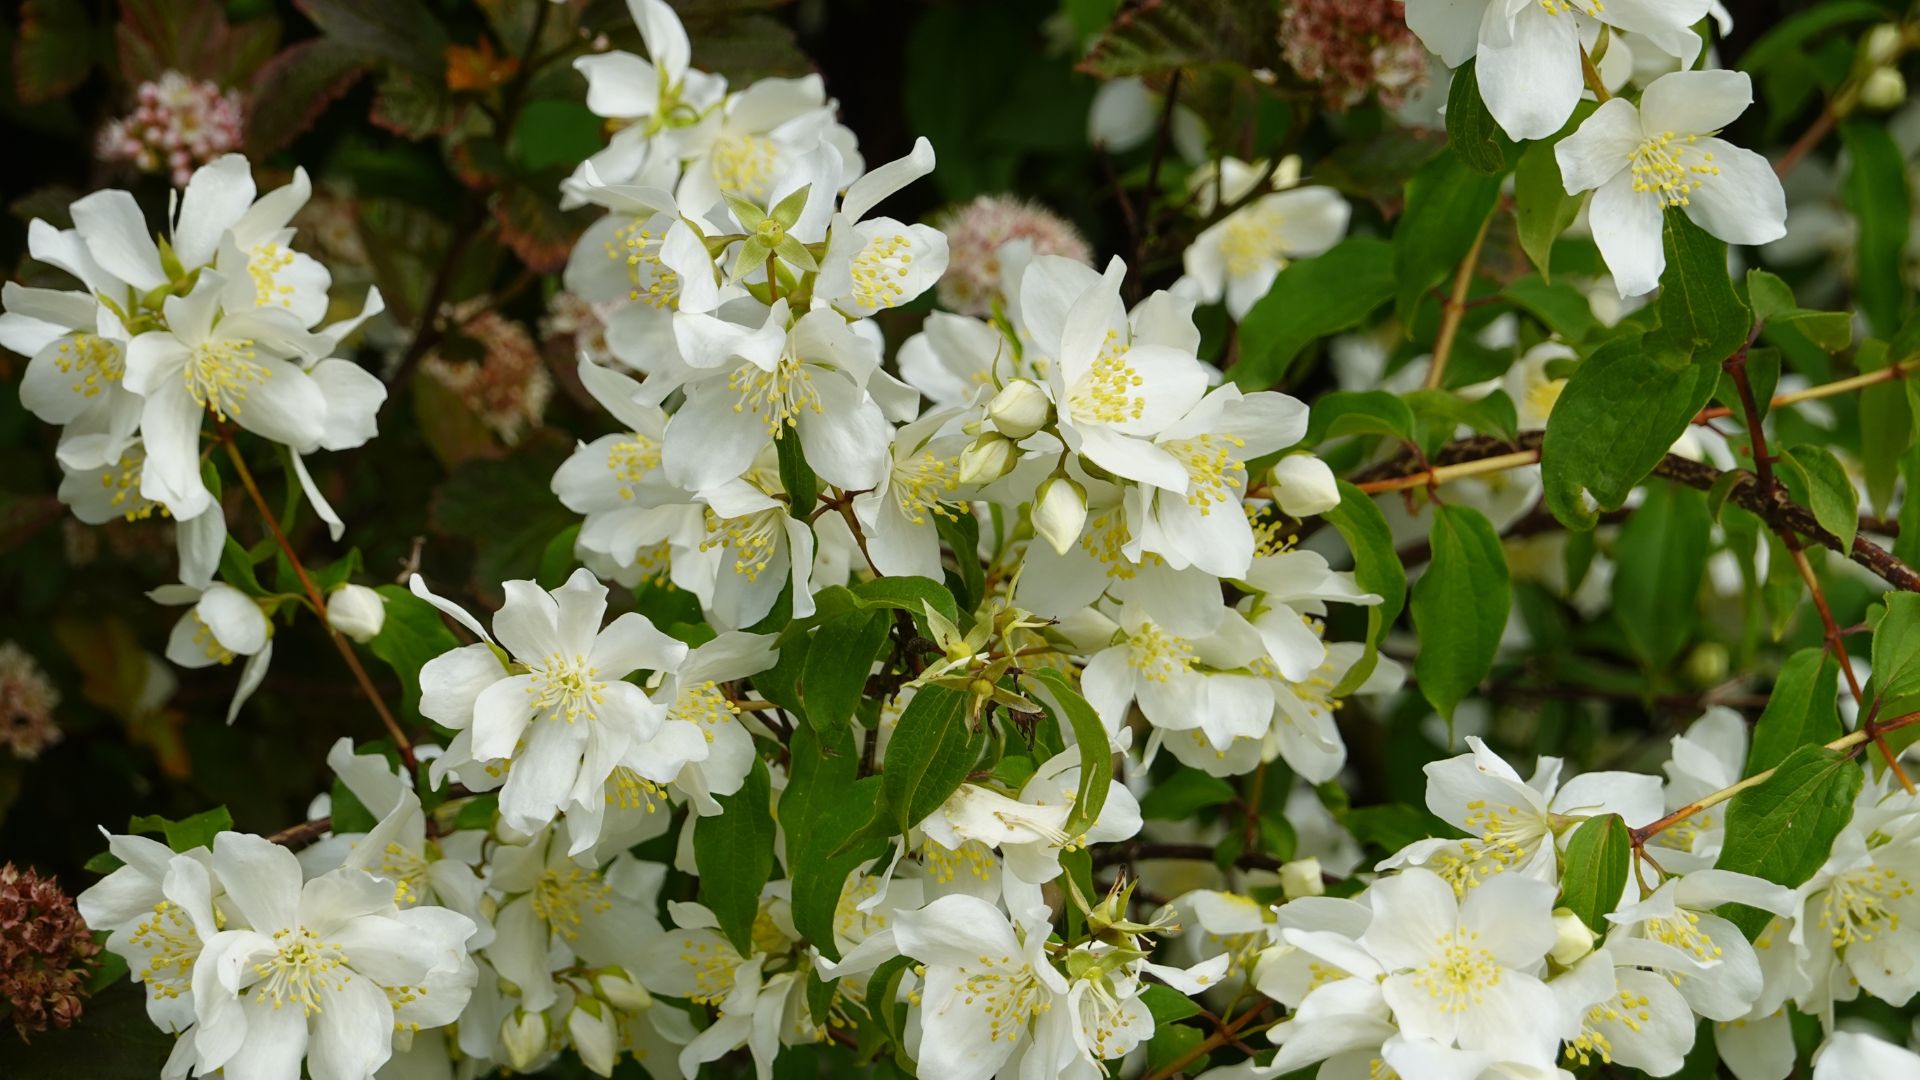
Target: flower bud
<point x="1304" y="486"/>
<point x="524" y="1038"/>
<point x="1301" y="877"/>
<point x="620" y="991"/>
<point x="1572" y="939"/>
<point x="593" y="1037"/>
<point x="1882" y="44"/>
<point x="1060" y="512"/>
<point x="1019" y="409"/>
<point x="357" y="612"/>
<point x="1884" y="88"/>
<point x="1708" y="664"/>
<point x="986" y="459"/>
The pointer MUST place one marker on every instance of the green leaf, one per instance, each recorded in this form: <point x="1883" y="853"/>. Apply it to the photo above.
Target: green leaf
<point x="1472" y="133"/>
<point x="733" y="851"/>
<point x="1783" y="829"/>
<point x="1376" y="568"/>
<point x="1773" y="304"/>
<point x="930" y="754"/>
<point x="1184" y="794"/>
<point x="411" y="635"/>
<point x="796" y="476"/>
<point x="1358" y="412"/>
<point x="1441" y="412"/>
<point x="1167" y="1005"/>
<point x="1310" y="299"/>
<point x="1621" y="410"/>
<point x="961" y="533"/>
<point x="1090" y="735"/>
<point x="909" y="594"/>
<point x="1542" y="209"/>
<point x="1563" y="308"/>
<point x="1895" y="656"/>
<point x="1595" y="873"/>
<point x="187" y="833"/>
<point x="1700" y="314"/>
<point x="1875" y="190"/>
<point x="1886" y="426"/>
<point x="838" y="662"/>
<point x="1827" y="490"/>
<point x="1446" y="204"/>
<point x="236" y="569"/>
<point x="822" y="807"/>
<point x="1393" y="826"/>
<point x="1460" y="606"/>
<point x="349" y="814"/>
<point x="1661" y="557"/>
<point x="1802" y="710"/>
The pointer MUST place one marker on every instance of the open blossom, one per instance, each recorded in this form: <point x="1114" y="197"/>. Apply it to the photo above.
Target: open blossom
<point x="1662" y="157"/>
<point x="222" y="625"/>
<point x="987" y="979"/>
<point x="27" y="701"/>
<point x="178" y="123"/>
<point x="978" y="234"/>
<point x="1237" y="257"/>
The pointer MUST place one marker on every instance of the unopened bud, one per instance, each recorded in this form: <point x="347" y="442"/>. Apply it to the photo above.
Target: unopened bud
<point x="593" y="1036"/>
<point x="1303" y="486"/>
<point x="1060" y="512"/>
<point x="1301" y="877"/>
<point x="986" y="459"/>
<point x="1708" y="663"/>
<point x="1020" y="409"/>
<point x="357" y="612"/>
<point x="620" y="991"/>
<point x="1884" y="88"/>
<point x="1882" y="44"/>
<point x="524" y="1037"/>
<point x="1572" y="939"/>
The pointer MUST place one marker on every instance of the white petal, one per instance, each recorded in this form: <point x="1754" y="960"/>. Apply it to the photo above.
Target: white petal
<point x="1743" y="202"/>
<point x="1600" y="148"/>
<point x="1626" y="226"/>
<point x="1531" y="84"/>
<point x="116" y="235"/>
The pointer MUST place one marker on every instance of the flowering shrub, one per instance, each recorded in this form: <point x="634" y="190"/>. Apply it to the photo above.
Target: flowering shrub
<point x="1232" y="538"/>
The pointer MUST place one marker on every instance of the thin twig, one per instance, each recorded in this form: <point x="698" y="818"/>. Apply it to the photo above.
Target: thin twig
<point x="1455" y="308"/>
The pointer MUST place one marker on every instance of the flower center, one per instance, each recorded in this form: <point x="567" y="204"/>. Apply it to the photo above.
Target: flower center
<point x="1105" y="393"/>
<point x="1682" y="931"/>
<point x="1011" y="997"/>
<point x="1158" y="655"/>
<point x="631" y="791"/>
<point x="1626" y="1008"/>
<point x="631" y="459"/>
<point x="639" y="248"/>
<point x="879" y="269"/>
<point x="264" y="264"/>
<point x="172" y="946"/>
<point x="704" y="705"/>
<point x="563" y="898"/>
<point x="123" y="480"/>
<point x="303" y="970"/>
<point x="1214" y="471"/>
<point x="1660" y="166"/>
<point x="563" y="687"/>
<point x="918" y="483"/>
<point x="406" y="869"/>
<point x="944" y="864"/>
<point x="93" y="361"/>
<point x="219" y="373"/>
<point x="209" y="644"/>
<point x="1250" y="240"/>
<point x="1859" y="903"/>
<point x="743" y="164"/>
<point x="779" y="396"/>
<point x="712" y="961"/>
<point x="1461" y="974"/>
<point x="753" y="538"/>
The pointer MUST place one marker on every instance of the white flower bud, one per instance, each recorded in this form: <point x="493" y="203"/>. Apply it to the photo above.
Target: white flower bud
<point x="1572" y="939"/>
<point x="1884" y="88"/>
<point x="1882" y="44"/>
<point x="620" y="991"/>
<point x="524" y="1038"/>
<point x="1060" y="512"/>
<point x="1303" y="485"/>
<point x="986" y="459"/>
<point x="1301" y="877"/>
<point x="593" y="1036"/>
<point x="357" y="612"/>
<point x="1019" y="409"/>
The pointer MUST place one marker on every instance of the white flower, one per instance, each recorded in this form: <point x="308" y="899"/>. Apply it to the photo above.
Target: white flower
<point x="1527" y="54"/>
<point x="112" y="492"/>
<point x="77" y="358"/>
<point x="1237" y="257"/>
<point x="1707" y="958"/>
<point x="755" y="385"/>
<point x="1059" y="512"/>
<point x="323" y="972"/>
<point x="1858" y="913"/>
<point x="880" y="263"/>
<point x="1030" y="831"/>
<point x="900" y="514"/>
<point x="985" y="982"/>
<point x="357" y="612"/>
<point x="1463" y="972"/>
<point x="1200" y="521"/>
<point x="1183" y="683"/>
<point x="751" y="542"/>
<point x="157" y="914"/>
<point x="1642" y="162"/>
<point x="698" y="963"/>
<point x="654" y="99"/>
<point x="1848" y="1055"/>
<point x="224" y="623"/>
<point x="956" y="360"/>
<point x="568" y="717"/>
<point x="692" y="691"/>
<point x="1289" y="589"/>
<point x="757" y="141"/>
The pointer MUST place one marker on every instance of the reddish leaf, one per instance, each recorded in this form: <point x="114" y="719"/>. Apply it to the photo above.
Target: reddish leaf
<point x="291" y="91"/>
<point x="54" y="51"/>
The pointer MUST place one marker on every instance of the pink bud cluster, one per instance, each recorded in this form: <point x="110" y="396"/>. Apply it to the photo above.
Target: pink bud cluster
<point x="27" y="701"/>
<point x="509" y="386"/>
<point x="178" y="123"/>
<point x="978" y="230"/>
<point x="46" y="953"/>
<point x="1352" y="47"/>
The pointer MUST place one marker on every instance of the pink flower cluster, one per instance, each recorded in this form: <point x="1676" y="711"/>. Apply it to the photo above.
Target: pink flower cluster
<point x="1351" y="47"/>
<point x="47" y="953"/>
<point x="509" y="386"/>
<point x="978" y="230"/>
<point x="27" y="701"/>
<point x="178" y="123"/>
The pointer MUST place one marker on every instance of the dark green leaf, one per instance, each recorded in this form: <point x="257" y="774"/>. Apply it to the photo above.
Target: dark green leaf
<point x="1876" y="192"/>
<point x="1358" y="412"/>
<point x="1595" y="873"/>
<point x="838" y="662"/>
<point x="187" y="833"/>
<point x="411" y="635"/>
<point x="734" y="853"/>
<point x="822" y="807"/>
<point x="1446" y="206"/>
<point x="1185" y="793"/>
<point x="1309" y="300"/>
<point x="1562" y="307"/>
<point x="1472" y="132"/>
<point x="1801" y="711"/>
<point x="797" y="477"/>
<point x="1460" y="606"/>
<point x="930" y="753"/>
<point x="1783" y="829"/>
<point x="1376" y="568"/>
<point x="1700" y="313"/>
<point x="1090" y="735"/>
<point x="1823" y="484"/>
<point x="1542" y="209"/>
<point x="1661" y="557"/>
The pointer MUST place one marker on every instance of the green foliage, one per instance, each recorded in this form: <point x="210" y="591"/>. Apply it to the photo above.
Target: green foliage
<point x="734" y="853"/>
<point x="1459" y="606"/>
<point x="1309" y="300"/>
<point x="1782" y="829"/>
<point x="932" y="750"/>
<point x="1447" y="204"/>
<point x="1662" y="555"/>
<point x="1595" y="871"/>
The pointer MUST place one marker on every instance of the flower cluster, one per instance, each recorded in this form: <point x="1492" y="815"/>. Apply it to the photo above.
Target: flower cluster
<point x="1352" y="48"/>
<point x="27" y="701"/>
<point x="178" y="123"/>
<point x="47" y="954"/>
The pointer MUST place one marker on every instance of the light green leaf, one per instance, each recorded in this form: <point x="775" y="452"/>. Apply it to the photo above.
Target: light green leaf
<point x="1460" y="606"/>
<point x="1358" y="412"/>
<point x="1876" y="193"/>
<point x="1542" y="209"/>
<point x="1376" y="568"/>
<point x="1595" y="872"/>
<point x="1783" y="829"/>
<point x="1828" y="490"/>
<point x="1802" y="710"/>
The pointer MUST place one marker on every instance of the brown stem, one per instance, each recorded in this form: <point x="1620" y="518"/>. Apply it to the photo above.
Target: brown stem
<point x="1808" y="139"/>
<point x="1228" y="1033"/>
<point x="1455" y="308"/>
<point x="304" y="833"/>
<point x="319" y="604"/>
